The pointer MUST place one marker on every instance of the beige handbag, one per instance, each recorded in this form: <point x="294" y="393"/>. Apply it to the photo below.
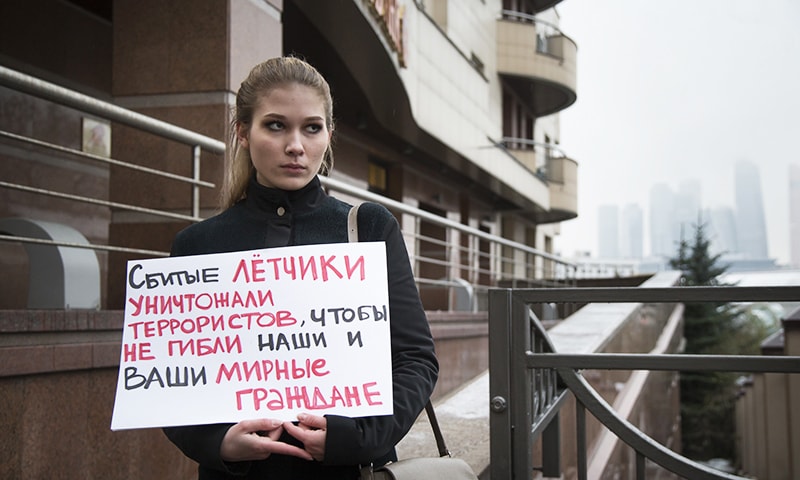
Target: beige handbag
<point x="443" y="467"/>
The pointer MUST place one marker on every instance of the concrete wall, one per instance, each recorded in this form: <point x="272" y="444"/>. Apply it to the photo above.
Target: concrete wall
<point x="58" y="376"/>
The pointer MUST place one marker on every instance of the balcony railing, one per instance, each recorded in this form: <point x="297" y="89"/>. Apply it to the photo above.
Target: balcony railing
<point x="552" y="166"/>
<point x="458" y="265"/>
<point x="531" y="52"/>
<point x="529" y="380"/>
<point x="537" y="156"/>
<point x="544" y="32"/>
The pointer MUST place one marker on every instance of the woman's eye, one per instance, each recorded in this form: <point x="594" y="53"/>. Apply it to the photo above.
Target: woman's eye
<point x="274" y="125"/>
<point x="314" y="128"/>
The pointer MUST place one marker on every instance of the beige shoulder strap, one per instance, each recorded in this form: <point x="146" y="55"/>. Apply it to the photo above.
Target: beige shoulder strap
<point x="352" y="224"/>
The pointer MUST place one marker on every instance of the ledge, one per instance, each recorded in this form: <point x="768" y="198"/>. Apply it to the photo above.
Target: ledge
<point x="448" y="325"/>
<point x="46" y="341"/>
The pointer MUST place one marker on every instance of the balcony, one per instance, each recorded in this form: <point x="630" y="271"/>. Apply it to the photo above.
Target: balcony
<point x="559" y="172"/>
<point x="562" y="175"/>
<point x="537" y="62"/>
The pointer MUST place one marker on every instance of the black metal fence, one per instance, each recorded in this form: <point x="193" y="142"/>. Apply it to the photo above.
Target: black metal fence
<point x="529" y="380"/>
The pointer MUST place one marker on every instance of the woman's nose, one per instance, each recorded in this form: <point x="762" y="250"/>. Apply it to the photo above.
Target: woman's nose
<point x="294" y="144"/>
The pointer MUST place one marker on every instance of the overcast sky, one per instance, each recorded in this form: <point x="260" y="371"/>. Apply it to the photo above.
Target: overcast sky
<point x="676" y="91"/>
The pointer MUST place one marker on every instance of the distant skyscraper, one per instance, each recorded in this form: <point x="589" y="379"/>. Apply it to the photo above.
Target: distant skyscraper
<point x="722" y="230"/>
<point x="608" y="231"/>
<point x="688" y="202"/>
<point x="663" y="235"/>
<point x="794" y="214"/>
<point x="631" y="232"/>
<point x="751" y="229"/>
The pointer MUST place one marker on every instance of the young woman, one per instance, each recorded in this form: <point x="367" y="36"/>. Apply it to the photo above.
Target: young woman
<point x="280" y="141"/>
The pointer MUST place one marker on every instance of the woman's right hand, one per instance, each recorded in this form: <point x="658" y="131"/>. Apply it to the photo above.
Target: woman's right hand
<point x="251" y="440"/>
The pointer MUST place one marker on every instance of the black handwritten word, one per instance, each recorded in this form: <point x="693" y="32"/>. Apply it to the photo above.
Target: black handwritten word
<point x="202" y="324"/>
<point x="352" y="338"/>
<point x="189" y="302"/>
<point x="299" y="268"/>
<point x="298" y="341"/>
<point x="157" y="279"/>
<point x="349" y="315"/>
<point x="204" y="346"/>
<point x="134" y="380"/>
<point x="264" y="370"/>
<point x="299" y="397"/>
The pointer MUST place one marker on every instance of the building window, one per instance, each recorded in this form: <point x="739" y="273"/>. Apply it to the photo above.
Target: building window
<point x="518" y="123"/>
<point x="377" y="177"/>
<point x="519" y="6"/>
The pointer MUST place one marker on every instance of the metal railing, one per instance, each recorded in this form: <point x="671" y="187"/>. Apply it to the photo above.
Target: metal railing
<point x="472" y="261"/>
<point x="84" y="103"/>
<point x="544" y="156"/>
<point x="529" y="380"/>
<point x="544" y="30"/>
<point x="546" y="149"/>
<point x="466" y="261"/>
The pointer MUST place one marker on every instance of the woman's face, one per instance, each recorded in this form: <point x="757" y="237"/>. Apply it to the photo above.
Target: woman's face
<point x="288" y="136"/>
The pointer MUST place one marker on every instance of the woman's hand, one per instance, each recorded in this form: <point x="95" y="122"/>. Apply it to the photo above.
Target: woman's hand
<point x="311" y="431"/>
<point x="256" y="440"/>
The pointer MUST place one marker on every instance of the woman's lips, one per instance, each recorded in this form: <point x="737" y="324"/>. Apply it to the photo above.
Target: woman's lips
<point x="293" y="167"/>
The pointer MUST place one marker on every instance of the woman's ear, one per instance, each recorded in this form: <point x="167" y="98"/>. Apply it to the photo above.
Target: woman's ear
<point x="241" y="135"/>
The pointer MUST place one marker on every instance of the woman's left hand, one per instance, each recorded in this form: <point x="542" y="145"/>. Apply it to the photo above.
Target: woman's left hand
<point x="311" y="431"/>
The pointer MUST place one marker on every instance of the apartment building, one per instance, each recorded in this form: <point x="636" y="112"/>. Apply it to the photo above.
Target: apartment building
<point x="450" y="106"/>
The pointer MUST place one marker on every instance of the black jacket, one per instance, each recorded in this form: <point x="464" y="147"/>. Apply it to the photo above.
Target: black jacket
<point x="272" y="218"/>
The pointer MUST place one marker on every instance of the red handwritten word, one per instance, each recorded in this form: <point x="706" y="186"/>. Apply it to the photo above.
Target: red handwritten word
<point x="137" y="351"/>
<point x="201" y="324"/>
<point x="299" y="397"/>
<point x="299" y="268"/>
<point x="263" y="370"/>
<point x="189" y="302"/>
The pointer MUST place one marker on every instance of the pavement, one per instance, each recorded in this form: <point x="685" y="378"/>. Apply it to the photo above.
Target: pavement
<point x="463" y="416"/>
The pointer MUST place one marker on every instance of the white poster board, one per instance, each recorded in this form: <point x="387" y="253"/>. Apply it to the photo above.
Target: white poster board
<point x="257" y="334"/>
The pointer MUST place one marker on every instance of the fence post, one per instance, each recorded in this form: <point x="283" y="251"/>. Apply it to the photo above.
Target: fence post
<point x="521" y="389"/>
<point x="551" y="448"/>
<point x="500" y="449"/>
<point x="510" y="422"/>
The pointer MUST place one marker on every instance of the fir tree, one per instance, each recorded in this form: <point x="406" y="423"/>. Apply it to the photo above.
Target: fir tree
<point x="707" y="402"/>
<point x="708" y="398"/>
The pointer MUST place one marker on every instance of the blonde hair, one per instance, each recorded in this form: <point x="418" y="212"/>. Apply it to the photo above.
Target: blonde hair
<point x="264" y="77"/>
